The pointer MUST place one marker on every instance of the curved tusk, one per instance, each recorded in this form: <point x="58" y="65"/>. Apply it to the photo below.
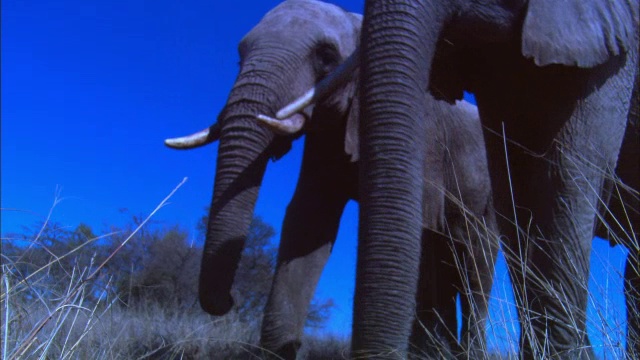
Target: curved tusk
<point x="288" y="126"/>
<point x="337" y="77"/>
<point x="298" y="104"/>
<point x="201" y="138"/>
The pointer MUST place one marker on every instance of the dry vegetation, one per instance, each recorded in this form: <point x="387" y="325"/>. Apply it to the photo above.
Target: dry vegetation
<point x="131" y="294"/>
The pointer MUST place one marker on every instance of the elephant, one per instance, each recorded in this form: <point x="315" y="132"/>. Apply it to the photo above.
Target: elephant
<point x="621" y="218"/>
<point x="553" y="84"/>
<point x="293" y="47"/>
<point x="458" y="253"/>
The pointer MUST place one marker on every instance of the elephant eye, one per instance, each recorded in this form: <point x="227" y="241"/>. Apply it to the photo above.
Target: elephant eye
<point x="326" y="59"/>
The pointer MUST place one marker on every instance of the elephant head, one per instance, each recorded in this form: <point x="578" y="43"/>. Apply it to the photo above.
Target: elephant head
<point x="276" y="66"/>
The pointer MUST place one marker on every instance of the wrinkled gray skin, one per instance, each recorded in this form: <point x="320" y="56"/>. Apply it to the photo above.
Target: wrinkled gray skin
<point x="556" y="78"/>
<point x="328" y="180"/>
<point x="276" y="66"/>
<point x="292" y="47"/>
<point x="621" y="218"/>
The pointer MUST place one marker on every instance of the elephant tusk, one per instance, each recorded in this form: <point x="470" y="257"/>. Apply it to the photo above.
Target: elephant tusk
<point x="299" y="103"/>
<point x="337" y="77"/>
<point x="201" y="138"/>
<point x="288" y="126"/>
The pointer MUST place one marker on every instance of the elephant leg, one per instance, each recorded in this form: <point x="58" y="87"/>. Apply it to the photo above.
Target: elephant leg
<point x="632" y="300"/>
<point x="548" y="256"/>
<point x="555" y="285"/>
<point x="434" y="333"/>
<point x="308" y="233"/>
<point x="309" y="230"/>
<point x="564" y="129"/>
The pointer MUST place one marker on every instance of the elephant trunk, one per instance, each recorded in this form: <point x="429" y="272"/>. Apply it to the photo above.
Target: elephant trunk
<point x="398" y="42"/>
<point x="242" y="158"/>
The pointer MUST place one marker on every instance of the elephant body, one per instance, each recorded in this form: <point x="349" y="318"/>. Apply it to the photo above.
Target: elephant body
<point x="293" y="47"/>
<point x="459" y="247"/>
<point x="553" y="84"/>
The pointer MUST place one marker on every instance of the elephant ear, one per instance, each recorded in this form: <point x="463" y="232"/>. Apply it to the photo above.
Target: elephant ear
<point x="352" y="129"/>
<point x="582" y="33"/>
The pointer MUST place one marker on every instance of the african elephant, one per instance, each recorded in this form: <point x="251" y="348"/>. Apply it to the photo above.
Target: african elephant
<point x="553" y="82"/>
<point x="621" y="218"/>
<point x="277" y="64"/>
<point x="459" y="248"/>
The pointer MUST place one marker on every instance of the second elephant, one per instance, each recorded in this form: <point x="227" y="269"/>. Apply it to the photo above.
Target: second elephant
<point x="459" y="242"/>
<point x="458" y="250"/>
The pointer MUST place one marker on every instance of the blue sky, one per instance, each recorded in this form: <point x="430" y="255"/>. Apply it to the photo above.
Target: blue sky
<point x="90" y="89"/>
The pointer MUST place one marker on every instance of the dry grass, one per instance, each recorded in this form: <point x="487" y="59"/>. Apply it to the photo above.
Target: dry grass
<point x="69" y="326"/>
<point x="84" y="320"/>
<point x="72" y="327"/>
<point x="605" y="314"/>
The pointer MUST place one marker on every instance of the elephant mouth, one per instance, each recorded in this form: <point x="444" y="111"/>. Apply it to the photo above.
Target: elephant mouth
<point x="326" y="86"/>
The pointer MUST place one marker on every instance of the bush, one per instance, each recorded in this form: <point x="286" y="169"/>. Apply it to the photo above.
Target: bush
<point x="58" y="302"/>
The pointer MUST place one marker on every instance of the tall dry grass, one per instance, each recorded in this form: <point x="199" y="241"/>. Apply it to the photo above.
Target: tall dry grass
<point x="73" y="325"/>
<point x="606" y="320"/>
<point x="74" y="315"/>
